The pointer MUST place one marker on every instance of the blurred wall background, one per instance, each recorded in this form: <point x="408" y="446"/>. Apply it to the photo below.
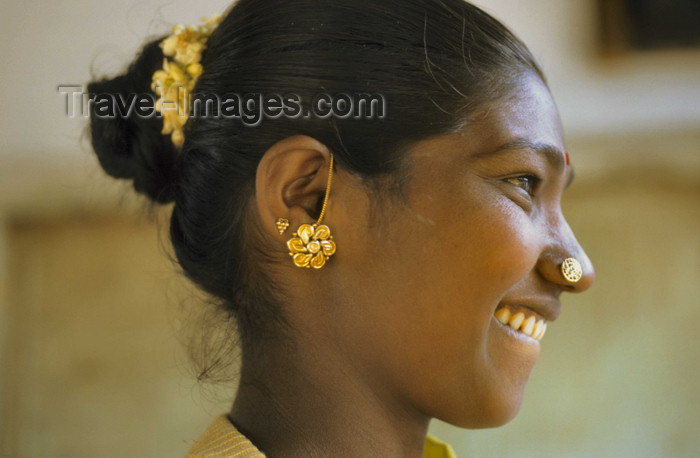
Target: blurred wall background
<point x="89" y="305"/>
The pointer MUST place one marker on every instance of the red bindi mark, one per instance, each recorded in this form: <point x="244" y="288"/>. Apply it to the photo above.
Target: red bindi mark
<point x="567" y="158"/>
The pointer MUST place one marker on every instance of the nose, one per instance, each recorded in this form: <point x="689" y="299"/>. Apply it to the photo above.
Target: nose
<point x="562" y="244"/>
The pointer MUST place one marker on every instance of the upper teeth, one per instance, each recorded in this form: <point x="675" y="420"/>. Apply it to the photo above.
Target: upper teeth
<point x="529" y="326"/>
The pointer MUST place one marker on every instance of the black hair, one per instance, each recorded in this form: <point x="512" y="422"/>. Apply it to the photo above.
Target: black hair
<point x="435" y="62"/>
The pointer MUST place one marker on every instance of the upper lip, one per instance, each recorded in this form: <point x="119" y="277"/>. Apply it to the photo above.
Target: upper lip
<point x="548" y="307"/>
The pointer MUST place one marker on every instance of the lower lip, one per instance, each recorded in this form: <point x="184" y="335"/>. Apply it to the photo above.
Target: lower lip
<point x="516" y="335"/>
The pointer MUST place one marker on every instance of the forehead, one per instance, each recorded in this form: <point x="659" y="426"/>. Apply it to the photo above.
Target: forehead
<point x="526" y="115"/>
<point x="526" y="112"/>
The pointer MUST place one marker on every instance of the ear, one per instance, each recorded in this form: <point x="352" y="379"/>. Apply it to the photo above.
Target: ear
<point x="291" y="182"/>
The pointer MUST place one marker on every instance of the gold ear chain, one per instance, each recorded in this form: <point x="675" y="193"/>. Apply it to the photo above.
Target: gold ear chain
<point x="312" y="244"/>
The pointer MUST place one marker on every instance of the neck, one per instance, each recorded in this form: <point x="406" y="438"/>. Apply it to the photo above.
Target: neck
<point x="317" y="403"/>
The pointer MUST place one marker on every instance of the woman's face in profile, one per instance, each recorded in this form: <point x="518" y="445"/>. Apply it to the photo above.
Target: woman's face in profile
<point x="482" y="229"/>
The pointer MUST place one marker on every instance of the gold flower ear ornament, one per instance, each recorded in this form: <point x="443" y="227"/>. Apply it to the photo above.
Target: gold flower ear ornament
<point x="312" y="244"/>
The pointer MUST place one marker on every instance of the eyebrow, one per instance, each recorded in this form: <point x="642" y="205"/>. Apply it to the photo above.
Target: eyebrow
<point x="553" y="155"/>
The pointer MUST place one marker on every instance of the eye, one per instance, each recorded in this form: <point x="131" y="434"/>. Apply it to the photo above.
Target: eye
<point x="527" y="182"/>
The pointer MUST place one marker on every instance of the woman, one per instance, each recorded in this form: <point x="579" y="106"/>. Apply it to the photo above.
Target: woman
<point x="427" y="249"/>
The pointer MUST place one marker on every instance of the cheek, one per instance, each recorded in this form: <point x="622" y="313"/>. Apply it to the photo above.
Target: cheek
<point x="499" y="246"/>
<point x="425" y="291"/>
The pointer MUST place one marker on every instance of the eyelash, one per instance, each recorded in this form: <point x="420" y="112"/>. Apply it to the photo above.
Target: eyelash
<point x="533" y="181"/>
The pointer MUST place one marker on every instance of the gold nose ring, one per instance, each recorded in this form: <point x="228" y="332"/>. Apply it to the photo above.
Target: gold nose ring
<point x="571" y="270"/>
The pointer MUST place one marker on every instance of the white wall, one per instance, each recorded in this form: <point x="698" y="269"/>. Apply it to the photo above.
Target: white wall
<point x="45" y="44"/>
<point x="637" y="93"/>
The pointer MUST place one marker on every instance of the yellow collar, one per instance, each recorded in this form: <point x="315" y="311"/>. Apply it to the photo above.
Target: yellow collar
<point x="435" y="448"/>
<point x="222" y="439"/>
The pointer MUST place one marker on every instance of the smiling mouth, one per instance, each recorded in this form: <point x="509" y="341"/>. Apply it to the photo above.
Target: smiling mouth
<point x="523" y="320"/>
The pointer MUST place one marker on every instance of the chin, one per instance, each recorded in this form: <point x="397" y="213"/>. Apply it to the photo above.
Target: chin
<point x="491" y="410"/>
<point x="490" y="418"/>
<point x="499" y="415"/>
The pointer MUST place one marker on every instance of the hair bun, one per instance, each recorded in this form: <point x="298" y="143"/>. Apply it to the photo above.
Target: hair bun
<point x="133" y="147"/>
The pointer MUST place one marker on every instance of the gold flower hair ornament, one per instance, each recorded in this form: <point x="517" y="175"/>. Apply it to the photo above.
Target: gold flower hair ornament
<point x="312" y="244"/>
<point x="174" y="83"/>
